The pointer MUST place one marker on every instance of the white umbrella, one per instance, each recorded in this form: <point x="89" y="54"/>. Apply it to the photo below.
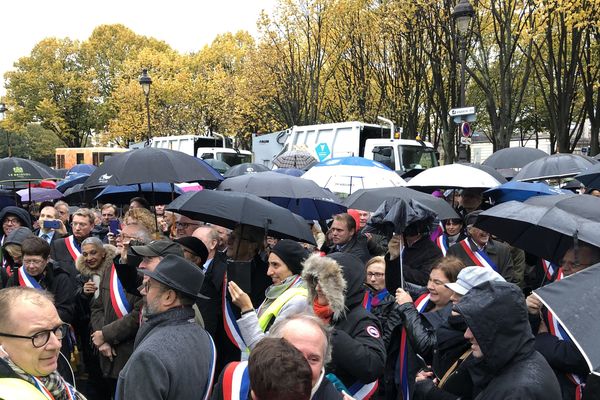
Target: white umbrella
<point x="348" y="174"/>
<point x="453" y="176"/>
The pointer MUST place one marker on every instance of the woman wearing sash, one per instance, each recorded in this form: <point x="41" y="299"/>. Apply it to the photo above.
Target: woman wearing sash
<point x="414" y="339"/>
<point x="453" y="233"/>
<point x="286" y="296"/>
<point x="115" y="314"/>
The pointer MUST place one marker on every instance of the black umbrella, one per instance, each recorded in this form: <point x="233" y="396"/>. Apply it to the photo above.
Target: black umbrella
<point x="300" y="196"/>
<point x="590" y="177"/>
<point x="229" y="209"/>
<point x="556" y="166"/>
<point x="545" y="225"/>
<point x="574" y="302"/>
<point x="371" y="199"/>
<point x="14" y="169"/>
<point x="153" y="165"/>
<point x="77" y="194"/>
<point x="513" y="157"/>
<point x="295" y="159"/>
<point x="245" y="168"/>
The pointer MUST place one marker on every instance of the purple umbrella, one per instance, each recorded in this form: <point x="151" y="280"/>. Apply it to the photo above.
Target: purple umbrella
<point x="39" y="194"/>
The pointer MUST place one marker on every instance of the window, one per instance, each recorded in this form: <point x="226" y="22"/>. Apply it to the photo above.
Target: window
<point x="234" y="158"/>
<point x="419" y="157"/>
<point x="385" y="155"/>
<point x="60" y="161"/>
<point x="80" y="158"/>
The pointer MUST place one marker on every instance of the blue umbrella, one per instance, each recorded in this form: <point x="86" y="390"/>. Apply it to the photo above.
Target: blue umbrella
<point x="81" y="169"/>
<point x="157" y="193"/>
<point x="520" y="191"/>
<point x="71" y="180"/>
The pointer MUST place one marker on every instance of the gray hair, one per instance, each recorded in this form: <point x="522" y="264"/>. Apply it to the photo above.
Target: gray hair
<point x="94" y="241"/>
<point x="280" y="324"/>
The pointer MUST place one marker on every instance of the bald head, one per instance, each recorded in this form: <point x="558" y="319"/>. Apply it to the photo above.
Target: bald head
<point x="11" y="298"/>
<point x="210" y="237"/>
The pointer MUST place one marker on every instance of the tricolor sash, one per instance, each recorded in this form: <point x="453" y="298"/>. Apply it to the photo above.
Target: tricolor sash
<point x="236" y="381"/>
<point x="478" y="257"/>
<point x="559" y="275"/>
<point x="558" y="331"/>
<point x="72" y="247"/>
<point x="42" y="388"/>
<point x="371" y="300"/>
<point x="420" y="304"/>
<point x="229" y="321"/>
<point x="26" y="280"/>
<point x="360" y="391"/>
<point x="117" y="295"/>
<point x="442" y="243"/>
<point x="549" y="268"/>
<point x="211" y="375"/>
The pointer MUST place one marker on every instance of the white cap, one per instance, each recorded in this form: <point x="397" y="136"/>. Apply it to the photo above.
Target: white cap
<point x="473" y="276"/>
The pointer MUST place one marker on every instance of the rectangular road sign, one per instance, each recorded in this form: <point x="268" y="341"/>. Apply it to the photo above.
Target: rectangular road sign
<point x="461" y="111"/>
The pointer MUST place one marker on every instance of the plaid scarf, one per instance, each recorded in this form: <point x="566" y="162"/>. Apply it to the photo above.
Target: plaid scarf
<point x="55" y="383"/>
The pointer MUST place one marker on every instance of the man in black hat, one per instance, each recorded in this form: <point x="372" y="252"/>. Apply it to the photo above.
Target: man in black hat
<point x="478" y="248"/>
<point x="194" y="250"/>
<point x="156" y="368"/>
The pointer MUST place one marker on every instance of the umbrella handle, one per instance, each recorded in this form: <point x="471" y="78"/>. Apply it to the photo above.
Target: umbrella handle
<point x="401" y="250"/>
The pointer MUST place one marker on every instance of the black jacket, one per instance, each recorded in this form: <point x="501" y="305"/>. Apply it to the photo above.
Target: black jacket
<point x="417" y="261"/>
<point x="357" y="246"/>
<point x="498" y="252"/>
<point x="60" y="254"/>
<point x="388" y="313"/>
<point x="497" y="315"/>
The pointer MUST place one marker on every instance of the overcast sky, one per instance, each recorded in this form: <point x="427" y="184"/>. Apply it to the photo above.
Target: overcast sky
<point x="185" y="25"/>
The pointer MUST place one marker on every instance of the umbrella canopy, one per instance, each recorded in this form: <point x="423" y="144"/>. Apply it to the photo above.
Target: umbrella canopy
<point x="393" y="216"/>
<point x="71" y="181"/>
<point x="573" y="301"/>
<point x="485" y="168"/>
<point x="346" y="175"/>
<point x="520" y="191"/>
<point x="153" y="165"/>
<point x="294" y="159"/>
<point x="81" y="169"/>
<point x="229" y="209"/>
<point x="290" y="171"/>
<point x="300" y="196"/>
<point x="219" y="165"/>
<point x="155" y="193"/>
<point x="371" y="199"/>
<point x="556" y="166"/>
<point x="590" y="177"/>
<point x="77" y="194"/>
<point x="545" y="225"/>
<point x="453" y="176"/>
<point x="513" y="157"/>
<point x="245" y="168"/>
<point x="39" y="194"/>
<point x="14" y="169"/>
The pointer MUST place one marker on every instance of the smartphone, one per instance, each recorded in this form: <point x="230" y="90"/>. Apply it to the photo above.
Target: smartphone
<point x="114" y="226"/>
<point x="53" y="224"/>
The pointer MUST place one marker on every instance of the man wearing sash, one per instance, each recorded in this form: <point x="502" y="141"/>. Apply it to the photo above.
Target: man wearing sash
<point x="174" y="358"/>
<point x="66" y="250"/>
<point x="31" y="332"/>
<point x="551" y="340"/>
<point x="481" y="250"/>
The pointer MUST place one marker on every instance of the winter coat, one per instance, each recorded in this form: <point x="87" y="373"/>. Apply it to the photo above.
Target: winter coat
<point x="497" y="315"/>
<point x="358" y="347"/>
<point x="119" y="333"/>
<point x="172" y="359"/>
<point x="417" y="261"/>
<point x="60" y="254"/>
<point x="357" y="246"/>
<point x="498" y="252"/>
<point x="56" y="281"/>
<point x="19" y="212"/>
<point x="388" y="313"/>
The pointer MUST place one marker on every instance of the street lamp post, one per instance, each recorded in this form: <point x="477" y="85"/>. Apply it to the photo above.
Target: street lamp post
<point x="3" y="109"/>
<point x="145" y="82"/>
<point x="462" y="15"/>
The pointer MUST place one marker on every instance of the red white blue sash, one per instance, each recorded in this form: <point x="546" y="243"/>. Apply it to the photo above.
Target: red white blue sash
<point x="117" y="295"/>
<point x="420" y="304"/>
<point x="478" y="257"/>
<point x="213" y="365"/>
<point x="558" y="331"/>
<point x="42" y="388"/>
<point x="236" y="381"/>
<point x="360" y="391"/>
<point x="559" y="275"/>
<point x="442" y="243"/>
<point x="549" y="268"/>
<point x="229" y="321"/>
<point x="72" y="247"/>
<point x="26" y="280"/>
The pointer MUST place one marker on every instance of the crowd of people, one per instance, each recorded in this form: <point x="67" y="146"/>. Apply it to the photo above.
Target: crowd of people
<point x="148" y="304"/>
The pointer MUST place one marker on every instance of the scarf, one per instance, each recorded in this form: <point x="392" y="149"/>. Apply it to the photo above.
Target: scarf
<point x="274" y="291"/>
<point x="323" y="312"/>
<point x="53" y="383"/>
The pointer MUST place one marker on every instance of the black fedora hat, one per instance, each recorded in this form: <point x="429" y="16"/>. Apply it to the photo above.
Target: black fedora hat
<point x="178" y="274"/>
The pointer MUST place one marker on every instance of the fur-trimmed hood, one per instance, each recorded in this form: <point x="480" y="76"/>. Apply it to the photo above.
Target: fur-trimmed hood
<point x="328" y="274"/>
<point x="111" y="252"/>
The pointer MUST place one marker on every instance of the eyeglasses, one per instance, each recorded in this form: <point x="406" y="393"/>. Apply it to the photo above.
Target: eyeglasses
<point x="40" y="338"/>
<point x="10" y="220"/>
<point x="37" y="263"/>
<point x="186" y="225"/>
<point x="375" y="274"/>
